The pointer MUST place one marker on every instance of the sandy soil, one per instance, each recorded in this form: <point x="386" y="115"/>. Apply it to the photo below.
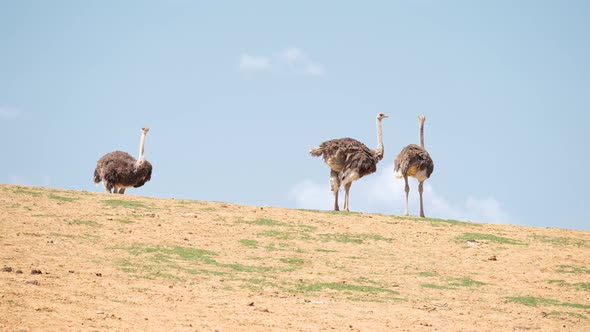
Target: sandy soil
<point x="82" y="261"/>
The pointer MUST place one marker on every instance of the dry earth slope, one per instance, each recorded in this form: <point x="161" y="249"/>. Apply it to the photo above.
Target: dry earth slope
<point x="83" y="261"/>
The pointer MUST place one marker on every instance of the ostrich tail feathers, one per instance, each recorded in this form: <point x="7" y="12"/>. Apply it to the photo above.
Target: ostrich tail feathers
<point x="398" y="173"/>
<point x="316" y="152"/>
<point x="96" y="177"/>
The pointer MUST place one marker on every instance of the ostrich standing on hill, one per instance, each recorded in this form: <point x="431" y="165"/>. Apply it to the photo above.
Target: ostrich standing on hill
<point x="120" y="170"/>
<point x="414" y="160"/>
<point x="349" y="160"/>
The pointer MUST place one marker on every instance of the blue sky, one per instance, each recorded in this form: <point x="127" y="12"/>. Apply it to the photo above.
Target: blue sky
<point x="235" y="94"/>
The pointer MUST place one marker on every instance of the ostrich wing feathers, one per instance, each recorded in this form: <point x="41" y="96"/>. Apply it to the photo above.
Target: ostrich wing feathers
<point x="413" y="159"/>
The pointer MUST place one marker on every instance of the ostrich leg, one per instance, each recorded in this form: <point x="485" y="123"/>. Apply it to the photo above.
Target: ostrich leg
<point x="335" y="184"/>
<point x="421" y="189"/>
<point x="407" y="189"/>
<point x="346" y="190"/>
<point x="122" y="191"/>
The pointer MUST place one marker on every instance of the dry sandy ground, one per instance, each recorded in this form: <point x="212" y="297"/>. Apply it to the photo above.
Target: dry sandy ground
<point x="81" y="261"/>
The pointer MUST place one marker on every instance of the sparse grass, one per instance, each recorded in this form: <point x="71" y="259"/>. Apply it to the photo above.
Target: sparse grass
<point x="579" y="285"/>
<point x="249" y="243"/>
<point x="280" y="235"/>
<point x="562" y="241"/>
<point x="294" y="262"/>
<point x="435" y="286"/>
<point x="262" y="222"/>
<point x="318" y="286"/>
<point x="450" y="282"/>
<point x="487" y="237"/>
<point x="125" y="221"/>
<point x="62" y="198"/>
<point x="170" y="257"/>
<point x="574" y="269"/>
<point x="571" y="314"/>
<point x="275" y="223"/>
<point x="28" y="192"/>
<point x="325" y="250"/>
<point x="435" y="221"/>
<point x="208" y="209"/>
<point x="84" y="222"/>
<point x="127" y="204"/>
<point x="535" y="302"/>
<point x="352" y="238"/>
<point x="427" y="274"/>
<point x="364" y="280"/>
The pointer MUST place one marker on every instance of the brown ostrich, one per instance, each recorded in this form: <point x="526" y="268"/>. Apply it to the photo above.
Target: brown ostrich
<point x="349" y="160"/>
<point x="414" y="160"/>
<point x="119" y="170"/>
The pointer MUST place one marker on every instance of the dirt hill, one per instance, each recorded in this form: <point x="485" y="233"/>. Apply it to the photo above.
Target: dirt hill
<point x="75" y="260"/>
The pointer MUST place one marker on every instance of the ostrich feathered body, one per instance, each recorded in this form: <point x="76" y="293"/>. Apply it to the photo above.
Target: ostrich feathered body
<point x="414" y="160"/>
<point x="344" y="155"/>
<point x="120" y="169"/>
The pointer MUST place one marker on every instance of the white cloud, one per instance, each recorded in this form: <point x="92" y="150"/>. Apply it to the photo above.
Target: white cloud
<point x="291" y="60"/>
<point x="254" y="63"/>
<point x="9" y="112"/>
<point x="383" y="193"/>
<point x="299" y="62"/>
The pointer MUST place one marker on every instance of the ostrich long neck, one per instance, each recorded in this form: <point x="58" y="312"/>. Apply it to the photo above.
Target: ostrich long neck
<point x="422" y="133"/>
<point x="379" y="150"/>
<point x="141" y="144"/>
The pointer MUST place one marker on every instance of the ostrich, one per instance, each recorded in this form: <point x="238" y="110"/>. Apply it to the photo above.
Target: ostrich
<point x="414" y="160"/>
<point x="349" y="160"/>
<point x="120" y="170"/>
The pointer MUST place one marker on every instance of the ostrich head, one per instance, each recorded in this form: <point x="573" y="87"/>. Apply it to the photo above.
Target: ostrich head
<point x="381" y="116"/>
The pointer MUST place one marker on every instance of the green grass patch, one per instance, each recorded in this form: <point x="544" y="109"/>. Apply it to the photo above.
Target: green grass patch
<point x="364" y="280"/>
<point x="487" y="237"/>
<point x="249" y="243"/>
<point x="294" y="262"/>
<point x="279" y="235"/>
<point x="62" y="198"/>
<point x="574" y="269"/>
<point x="352" y="238"/>
<point x="84" y="222"/>
<point x="262" y="222"/>
<point x="126" y="204"/>
<point x="275" y="223"/>
<point x="435" y="221"/>
<point x="561" y="241"/>
<point x="450" y="282"/>
<point x="535" y="302"/>
<point x="27" y="192"/>
<point x="579" y="285"/>
<point x="436" y="286"/>
<point x="125" y="221"/>
<point x="571" y="314"/>
<point x="318" y="286"/>
<point x="247" y="268"/>
<point x="204" y="272"/>
<point x="166" y="258"/>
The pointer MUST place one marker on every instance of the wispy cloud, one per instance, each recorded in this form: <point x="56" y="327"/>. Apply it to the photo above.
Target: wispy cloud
<point x="291" y="60"/>
<point x="383" y="193"/>
<point x="9" y="112"/>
